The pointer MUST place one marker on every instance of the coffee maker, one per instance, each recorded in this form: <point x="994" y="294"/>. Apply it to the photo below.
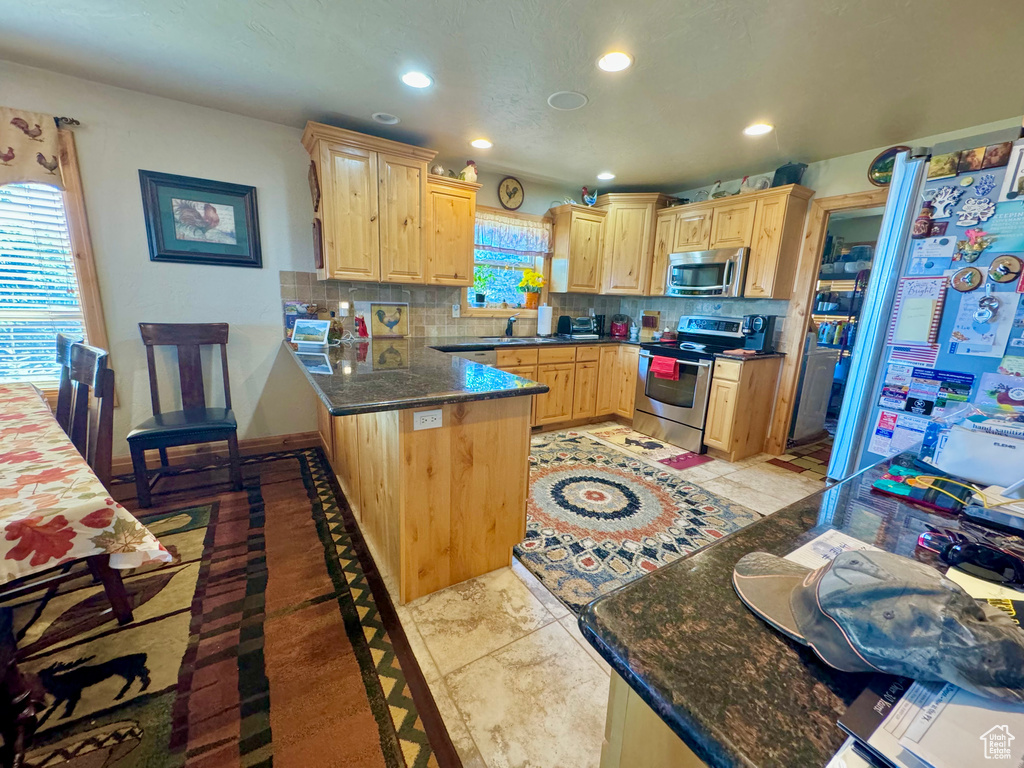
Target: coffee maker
<point x="759" y="333"/>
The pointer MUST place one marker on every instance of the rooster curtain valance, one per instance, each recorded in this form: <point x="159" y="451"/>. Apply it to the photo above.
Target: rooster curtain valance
<point x="28" y="148"/>
<point x="495" y="232"/>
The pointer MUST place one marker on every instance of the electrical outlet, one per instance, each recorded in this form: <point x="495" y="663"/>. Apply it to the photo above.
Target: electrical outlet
<point x="456" y="310"/>
<point x="427" y="419"/>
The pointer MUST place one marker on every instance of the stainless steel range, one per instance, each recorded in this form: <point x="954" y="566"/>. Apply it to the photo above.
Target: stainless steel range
<point x="674" y="410"/>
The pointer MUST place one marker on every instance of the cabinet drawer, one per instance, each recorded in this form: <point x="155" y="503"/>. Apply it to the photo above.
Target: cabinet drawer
<point x="514" y="357"/>
<point x="555" y="355"/>
<point x="728" y="370"/>
<point x="587" y="354"/>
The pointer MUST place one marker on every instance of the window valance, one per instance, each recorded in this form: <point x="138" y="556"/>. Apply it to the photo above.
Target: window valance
<point x="29" y="151"/>
<point x="496" y="232"/>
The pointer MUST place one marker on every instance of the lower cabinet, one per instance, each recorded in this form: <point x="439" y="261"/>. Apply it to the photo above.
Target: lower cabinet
<point x="629" y="359"/>
<point x="608" y="380"/>
<point x="527" y="372"/>
<point x="584" y="398"/>
<point x="732" y="431"/>
<point x="556" y="404"/>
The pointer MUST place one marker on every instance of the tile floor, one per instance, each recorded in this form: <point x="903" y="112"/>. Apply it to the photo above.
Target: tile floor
<point x="513" y="678"/>
<point x="808" y="460"/>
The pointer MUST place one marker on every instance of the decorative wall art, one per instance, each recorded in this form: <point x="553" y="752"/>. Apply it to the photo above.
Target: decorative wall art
<point x="880" y="170"/>
<point x="381" y="320"/>
<point x="511" y="194"/>
<point x="197" y="221"/>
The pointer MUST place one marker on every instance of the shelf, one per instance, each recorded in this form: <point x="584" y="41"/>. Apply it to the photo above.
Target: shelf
<point x="837" y="286"/>
<point x="845" y="315"/>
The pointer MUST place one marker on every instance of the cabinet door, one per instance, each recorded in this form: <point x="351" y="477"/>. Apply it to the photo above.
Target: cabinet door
<point x="346" y="460"/>
<point x="607" y="381"/>
<point x="627" y="248"/>
<point x="664" y="231"/>
<point x="762" y="268"/>
<point x="585" y="248"/>
<point x="451" y="221"/>
<point x="732" y="225"/>
<point x="403" y="194"/>
<point x="527" y="372"/>
<point x="555" y="405"/>
<point x="349" y="213"/>
<point x="692" y="230"/>
<point x="628" y="361"/>
<point x="721" y="414"/>
<point x="584" y="398"/>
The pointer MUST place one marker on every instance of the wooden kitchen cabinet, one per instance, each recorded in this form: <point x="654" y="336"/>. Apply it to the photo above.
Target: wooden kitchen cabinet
<point x="740" y="403"/>
<point x="629" y="241"/>
<point x="692" y="230"/>
<point x="527" y="372"/>
<point x="584" y="398"/>
<point x="629" y="360"/>
<point x="372" y="203"/>
<point x="664" y="233"/>
<point x="775" y="244"/>
<point x="577" y="250"/>
<point x="451" y="230"/>
<point x="556" y="404"/>
<point x="732" y="224"/>
<point x="608" y="368"/>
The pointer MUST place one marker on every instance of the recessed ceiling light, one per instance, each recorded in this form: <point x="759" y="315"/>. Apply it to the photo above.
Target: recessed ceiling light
<point x="567" y="100"/>
<point x="605" y="176"/>
<point x="386" y="118"/>
<point x="758" y="129"/>
<point x="615" y="61"/>
<point x="481" y="143"/>
<point x="417" y="80"/>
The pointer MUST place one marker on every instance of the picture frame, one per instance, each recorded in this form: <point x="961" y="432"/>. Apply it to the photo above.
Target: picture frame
<point x="198" y="221"/>
<point x="310" y="331"/>
<point x="880" y="169"/>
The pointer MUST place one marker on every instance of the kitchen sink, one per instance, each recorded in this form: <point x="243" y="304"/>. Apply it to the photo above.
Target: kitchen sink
<point x="518" y="340"/>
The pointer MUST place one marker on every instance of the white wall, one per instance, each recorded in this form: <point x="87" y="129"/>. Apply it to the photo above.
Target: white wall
<point x="540" y="195"/>
<point x="123" y="131"/>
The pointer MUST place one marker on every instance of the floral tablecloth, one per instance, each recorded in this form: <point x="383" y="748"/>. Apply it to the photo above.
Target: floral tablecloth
<point x="53" y="509"/>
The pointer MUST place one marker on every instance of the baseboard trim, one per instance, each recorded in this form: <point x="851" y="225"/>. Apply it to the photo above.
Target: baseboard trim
<point x="554" y="427"/>
<point x="182" y="455"/>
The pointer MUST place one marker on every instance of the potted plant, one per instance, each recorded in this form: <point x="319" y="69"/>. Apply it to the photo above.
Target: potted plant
<point x="481" y="280"/>
<point x="531" y="284"/>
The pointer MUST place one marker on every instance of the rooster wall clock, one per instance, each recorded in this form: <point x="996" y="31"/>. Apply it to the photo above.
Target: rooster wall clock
<point x="195" y="221"/>
<point x="511" y="193"/>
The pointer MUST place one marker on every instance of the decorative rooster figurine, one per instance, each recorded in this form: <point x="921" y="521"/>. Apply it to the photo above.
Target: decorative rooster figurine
<point x="469" y="172"/>
<point x="589" y="198"/>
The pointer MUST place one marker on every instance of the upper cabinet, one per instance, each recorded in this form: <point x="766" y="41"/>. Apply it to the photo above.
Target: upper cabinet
<point x="578" y="245"/>
<point x="373" y="202"/>
<point x="732" y="224"/>
<point x="770" y="223"/>
<point x="628" y="241"/>
<point x="451" y="225"/>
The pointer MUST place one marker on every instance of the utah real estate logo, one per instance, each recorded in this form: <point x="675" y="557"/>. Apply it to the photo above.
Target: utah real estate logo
<point x="997" y="743"/>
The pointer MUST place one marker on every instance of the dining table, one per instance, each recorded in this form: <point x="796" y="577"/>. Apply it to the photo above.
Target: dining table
<point x="54" y="511"/>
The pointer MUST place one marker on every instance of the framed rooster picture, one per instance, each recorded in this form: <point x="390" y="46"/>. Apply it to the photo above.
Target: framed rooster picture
<point x="197" y="221"/>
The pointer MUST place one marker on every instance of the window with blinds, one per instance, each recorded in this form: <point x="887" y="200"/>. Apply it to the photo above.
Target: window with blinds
<point x="39" y="295"/>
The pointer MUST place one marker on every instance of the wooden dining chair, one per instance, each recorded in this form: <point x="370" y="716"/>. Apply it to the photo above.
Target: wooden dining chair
<point x="89" y="422"/>
<point x="195" y="422"/>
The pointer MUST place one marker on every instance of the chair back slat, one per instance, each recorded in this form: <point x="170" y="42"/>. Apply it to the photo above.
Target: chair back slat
<point x="90" y="421"/>
<point x="188" y="338"/>
<point x="64" y="394"/>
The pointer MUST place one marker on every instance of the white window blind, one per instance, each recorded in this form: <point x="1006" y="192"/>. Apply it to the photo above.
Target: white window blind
<point x="39" y="294"/>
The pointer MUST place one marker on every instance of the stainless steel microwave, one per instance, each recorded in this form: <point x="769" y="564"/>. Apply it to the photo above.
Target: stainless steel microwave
<point x="707" y="273"/>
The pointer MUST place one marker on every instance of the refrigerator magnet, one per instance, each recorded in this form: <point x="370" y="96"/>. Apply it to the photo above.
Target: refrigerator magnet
<point x="975" y="210"/>
<point x="1013" y="182"/>
<point x="966" y="279"/>
<point x="943" y="166"/>
<point x="1004" y="269"/>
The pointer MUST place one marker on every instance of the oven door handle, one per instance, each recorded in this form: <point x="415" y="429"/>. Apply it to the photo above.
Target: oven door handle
<point x="698" y="364"/>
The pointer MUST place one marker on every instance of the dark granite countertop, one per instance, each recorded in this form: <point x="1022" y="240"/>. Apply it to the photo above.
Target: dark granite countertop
<point x="391" y="374"/>
<point x="735" y="690"/>
<point x="474" y="343"/>
<point x="770" y="356"/>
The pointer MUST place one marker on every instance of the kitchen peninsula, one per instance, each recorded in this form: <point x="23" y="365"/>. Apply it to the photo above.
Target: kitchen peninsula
<point x="432" y="452"/>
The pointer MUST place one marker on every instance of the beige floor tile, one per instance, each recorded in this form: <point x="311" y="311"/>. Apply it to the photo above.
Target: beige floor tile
<point x="708" y="471"/>
<point x="457" y="730"/>
<point x="775" y="481"/>
<point x="537" y="588"/>
<point x="537" y="703"/>
<point x="571" y="625"/>
<point x="469" y="620"/>
<point x="419" y="648"/>
<point x="744" y="494"/>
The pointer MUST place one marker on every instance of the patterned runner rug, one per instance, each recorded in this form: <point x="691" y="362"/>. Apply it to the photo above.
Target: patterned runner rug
<point x="270" y="640"/>
<point x="599" y="517"/>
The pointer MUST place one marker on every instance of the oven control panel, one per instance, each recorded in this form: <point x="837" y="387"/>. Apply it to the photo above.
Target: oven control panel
<point x="711" y="326"/>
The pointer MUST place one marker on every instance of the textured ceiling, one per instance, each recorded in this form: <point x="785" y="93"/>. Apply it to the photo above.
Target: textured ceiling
<point x="834" y="76"/>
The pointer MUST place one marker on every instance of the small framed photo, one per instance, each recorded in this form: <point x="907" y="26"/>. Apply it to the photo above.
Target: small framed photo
<point x="310" y="331"/>
<point x="197" y="221"/>
<point x="971" y="160"/>
<point x="943" y="166"/>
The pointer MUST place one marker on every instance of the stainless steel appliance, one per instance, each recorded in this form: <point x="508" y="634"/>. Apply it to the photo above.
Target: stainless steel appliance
<point x="583" y="328"/>
<point x="759" y="333"/>
<point x="675" y="410"/>
<point x="707" y="273"/>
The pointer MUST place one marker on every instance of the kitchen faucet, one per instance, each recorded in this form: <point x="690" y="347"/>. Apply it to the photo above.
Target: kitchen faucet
<point x="508" y="328"/>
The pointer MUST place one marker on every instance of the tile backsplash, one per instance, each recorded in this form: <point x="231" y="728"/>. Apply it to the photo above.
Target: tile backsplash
<point x="430" y="307"/>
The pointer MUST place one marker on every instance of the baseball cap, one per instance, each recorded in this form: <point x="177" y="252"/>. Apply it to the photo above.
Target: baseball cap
<point x="874" y="611"/>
